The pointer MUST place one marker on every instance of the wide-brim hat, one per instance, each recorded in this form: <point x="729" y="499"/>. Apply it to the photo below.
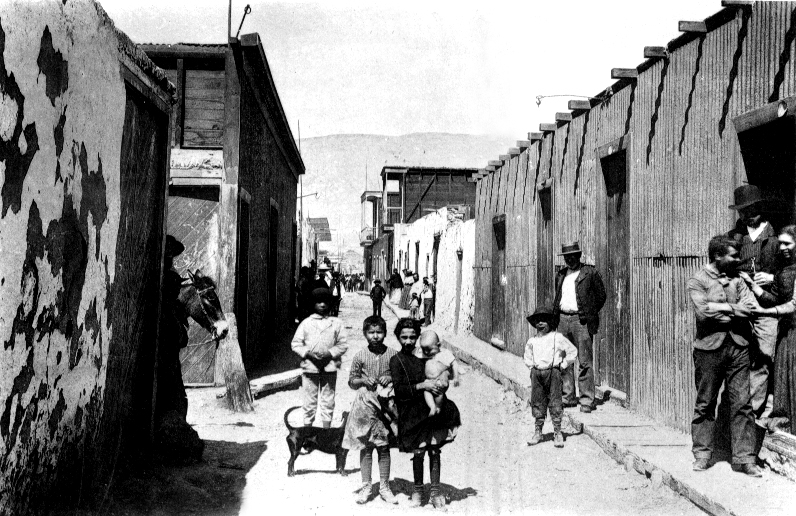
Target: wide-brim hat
<point x="377" y="281"/>
<point x="322" y="294"/>
<point x="543" y="312"/>
<point x="572" y="248"/>
<point x="745" y="196"/>
<point x="173" y="246"/>
<point x="323" y="267"/>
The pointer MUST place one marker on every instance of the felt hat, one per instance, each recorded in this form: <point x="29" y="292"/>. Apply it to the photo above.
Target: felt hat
<point x="745" y="196"/>
<point x="323" y="267"/>
<point x="542" y="312"/>
<point x="570" y="248"/>
<point x="378" y="281"/>
<point x="173" y="246"/>
<point x="322" y="295"/>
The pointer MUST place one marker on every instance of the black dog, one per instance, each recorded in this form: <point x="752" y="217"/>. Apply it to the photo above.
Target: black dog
<point x="311" y="438"/>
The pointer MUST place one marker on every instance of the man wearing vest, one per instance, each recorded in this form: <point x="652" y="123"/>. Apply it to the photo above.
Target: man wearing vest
<point x="580" y="295"/>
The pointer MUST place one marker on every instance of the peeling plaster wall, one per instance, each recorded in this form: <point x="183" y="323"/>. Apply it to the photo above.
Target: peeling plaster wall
<point x="62" y="106"/>
<point x="453" y="234"/>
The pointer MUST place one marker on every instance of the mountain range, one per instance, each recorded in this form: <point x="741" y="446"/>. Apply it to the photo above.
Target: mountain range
<point x="340" y="167"/>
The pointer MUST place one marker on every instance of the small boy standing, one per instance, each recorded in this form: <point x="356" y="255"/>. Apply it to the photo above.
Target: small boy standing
<point x="546" y="355"/>
<point x="414" y="307"/>
<point x="377" y="295"/>
<point x="320" y="341"/>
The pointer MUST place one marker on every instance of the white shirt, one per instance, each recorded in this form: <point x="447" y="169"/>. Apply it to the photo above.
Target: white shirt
<point x="754" y="233"/>
<point x="548" y="350"/>
<point x="569" y="301"/>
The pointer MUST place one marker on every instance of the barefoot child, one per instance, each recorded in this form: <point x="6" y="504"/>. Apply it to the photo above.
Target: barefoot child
<point x="440" y="368"/>
<point x="547" y="355"/>
<point x="320" y="342"/>
<point x="365" y="430"/>
<point x="414" y="307"/>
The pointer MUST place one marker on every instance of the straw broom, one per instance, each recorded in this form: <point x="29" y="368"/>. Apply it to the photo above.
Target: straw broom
<point x="229" y="368"/>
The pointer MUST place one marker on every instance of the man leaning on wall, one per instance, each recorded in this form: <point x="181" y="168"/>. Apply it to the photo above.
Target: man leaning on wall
<point x="580" y="295"/>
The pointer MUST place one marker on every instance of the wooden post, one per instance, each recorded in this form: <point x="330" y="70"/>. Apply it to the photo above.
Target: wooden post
<point x="229" y="366"/>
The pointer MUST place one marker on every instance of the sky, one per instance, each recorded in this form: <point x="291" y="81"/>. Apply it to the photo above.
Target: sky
<point x="391" y="68"/>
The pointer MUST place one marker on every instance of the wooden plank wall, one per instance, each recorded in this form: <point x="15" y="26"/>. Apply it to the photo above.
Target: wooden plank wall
<point x="447" y="189"/>
<point x="265" y="173"/>
<point x="204" y="108"/>
<point x="684" y="164"/>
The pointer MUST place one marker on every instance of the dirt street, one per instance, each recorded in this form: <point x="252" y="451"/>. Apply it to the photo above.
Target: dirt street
<point x="489" y="469"/>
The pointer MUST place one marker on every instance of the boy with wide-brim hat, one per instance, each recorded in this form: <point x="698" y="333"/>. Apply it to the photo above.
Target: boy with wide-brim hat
<point x="546" y="355"/>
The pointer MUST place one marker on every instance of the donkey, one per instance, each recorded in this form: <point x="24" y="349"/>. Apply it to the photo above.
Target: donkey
<point x="198" y="296"/>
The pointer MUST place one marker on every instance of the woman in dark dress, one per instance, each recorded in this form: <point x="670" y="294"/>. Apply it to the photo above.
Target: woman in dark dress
<point x="782" y="295"/>
<point x="418" y="433"/>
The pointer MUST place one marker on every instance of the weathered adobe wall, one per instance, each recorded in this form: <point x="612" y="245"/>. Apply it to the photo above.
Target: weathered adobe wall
<point x="459" y="235"/>
<point x="684" y="162"/>
<point x="423" y="231"/>
<point x="62" y="111"/>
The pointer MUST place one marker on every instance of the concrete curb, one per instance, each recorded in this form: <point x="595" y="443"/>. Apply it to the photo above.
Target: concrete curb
<point x="615" y="450"/>
<point x="275" y="382"/>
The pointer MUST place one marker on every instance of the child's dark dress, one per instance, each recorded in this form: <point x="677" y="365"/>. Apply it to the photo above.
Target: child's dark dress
<point x="415" y="429"/>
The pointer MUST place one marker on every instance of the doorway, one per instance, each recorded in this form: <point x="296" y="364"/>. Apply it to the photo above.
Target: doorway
<point x="273" y="254"/>
<point x="765" y="137"/>
<point x="242" y="273"/>
<point x="614" y="352"/>
<point x="499" y="281"/>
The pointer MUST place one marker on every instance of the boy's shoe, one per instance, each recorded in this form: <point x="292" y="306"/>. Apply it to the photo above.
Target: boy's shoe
<point x="439" y="502"/>
<point x="701" y="464"/>
<point x="537" y="437"/>
<point x="416" y="500"/>
<point x="386" y="494"/>
<point x="363" y="495"/>
<point x="749" y="469"/>
<point x="585" y="409"/>
<point x="558" y="440"/>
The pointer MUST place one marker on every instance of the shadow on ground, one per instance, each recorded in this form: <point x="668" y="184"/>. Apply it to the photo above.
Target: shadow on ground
<point x="452" y="494"/>
<point x="212" y="487"/>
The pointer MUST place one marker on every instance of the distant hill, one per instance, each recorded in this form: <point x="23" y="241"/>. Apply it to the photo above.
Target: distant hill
<point x="336" y="168"/>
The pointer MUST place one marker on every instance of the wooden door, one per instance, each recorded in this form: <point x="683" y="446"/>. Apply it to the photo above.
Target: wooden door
<point x="193" y="220"/>
<point x="545" y="291"/>
<point x="613" y="350"/>
<point x="499" y="281"/>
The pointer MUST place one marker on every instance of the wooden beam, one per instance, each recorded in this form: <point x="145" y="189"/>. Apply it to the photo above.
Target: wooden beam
<point x="514" y="151"/>
<point x="179" y="111"/>
<point x="523" y="144"/>
<point x="737" y="4"/>
<point x="546" y="128"/>
<point x="535" y="137"/>
<point x="504" y="157"/>
<point x="652" y="52"/>
<point x="579" y="105"/>
<point x="624" y="73"/>
<point x="495" y="163"/>
<point x="491" y="168"/>
<point x="563" y="117"/>
<point x="698" y="27"/>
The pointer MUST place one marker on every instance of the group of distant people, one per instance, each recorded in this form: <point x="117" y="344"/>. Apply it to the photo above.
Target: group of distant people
<point x="407" y="293"/>
<point x="324" y="276"/>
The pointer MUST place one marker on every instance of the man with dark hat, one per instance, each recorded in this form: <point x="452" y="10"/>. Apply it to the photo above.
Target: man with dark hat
<point x="547" y="355"/>
<point x="580" y="295"/>
<point x="757" y="244"/>
<point x="173" y="336"/>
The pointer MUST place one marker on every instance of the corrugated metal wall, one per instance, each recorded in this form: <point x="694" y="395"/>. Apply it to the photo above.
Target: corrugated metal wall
<point x="684" y="163"/>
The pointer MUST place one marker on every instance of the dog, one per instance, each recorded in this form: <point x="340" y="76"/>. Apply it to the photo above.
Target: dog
<point x="311" y="438"/>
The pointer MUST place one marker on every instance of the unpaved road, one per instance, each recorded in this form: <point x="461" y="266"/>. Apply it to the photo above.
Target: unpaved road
<point x="489" y="469"/>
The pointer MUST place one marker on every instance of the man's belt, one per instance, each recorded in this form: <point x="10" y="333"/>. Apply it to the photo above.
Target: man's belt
<point x="562" y="312"/>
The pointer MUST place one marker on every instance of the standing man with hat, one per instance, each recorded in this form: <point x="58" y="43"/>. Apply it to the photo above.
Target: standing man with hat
<point x="757" y="244"/>
<point x="580" y="295"/>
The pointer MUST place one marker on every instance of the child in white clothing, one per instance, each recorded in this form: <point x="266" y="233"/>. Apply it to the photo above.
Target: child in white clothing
<point x="546" y="355"/>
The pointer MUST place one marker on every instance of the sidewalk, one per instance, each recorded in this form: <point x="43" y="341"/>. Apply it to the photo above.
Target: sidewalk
<point x="656" y="451"/>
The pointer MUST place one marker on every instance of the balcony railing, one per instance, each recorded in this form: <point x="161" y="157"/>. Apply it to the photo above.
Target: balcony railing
<point x="367" y="235"/>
